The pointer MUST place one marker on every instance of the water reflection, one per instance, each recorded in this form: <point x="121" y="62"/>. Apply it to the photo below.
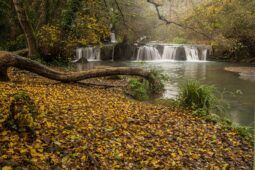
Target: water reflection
<point x="195" y="71"/>
<point x="249" y="77"/>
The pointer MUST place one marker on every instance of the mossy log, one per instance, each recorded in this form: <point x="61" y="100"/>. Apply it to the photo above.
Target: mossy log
<point x="8" y="59"/>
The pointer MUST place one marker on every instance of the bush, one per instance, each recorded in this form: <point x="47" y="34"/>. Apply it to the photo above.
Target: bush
<point x="141" y="89"/>
<point x="197" y="96"/>
<point x="158" y="87"/>
<point x="138" y="89"/>
<point x="16" y="44"/>
<point x="51" y="44"/>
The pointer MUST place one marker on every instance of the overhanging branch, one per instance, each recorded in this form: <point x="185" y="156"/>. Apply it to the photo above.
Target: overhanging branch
<point x="123" y="17"/>
<point x="162" y="18"/>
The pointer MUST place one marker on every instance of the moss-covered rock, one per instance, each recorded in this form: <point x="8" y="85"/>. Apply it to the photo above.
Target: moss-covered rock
<point x="22" y="114"/>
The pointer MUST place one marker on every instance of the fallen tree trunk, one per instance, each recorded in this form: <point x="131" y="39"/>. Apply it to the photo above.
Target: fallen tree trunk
<point x="8" y="59"/>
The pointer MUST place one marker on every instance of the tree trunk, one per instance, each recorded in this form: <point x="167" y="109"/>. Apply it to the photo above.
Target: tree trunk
<point x="26" y="27"/>
<point x="8" y="59"/>
<point x="43" y="14"/>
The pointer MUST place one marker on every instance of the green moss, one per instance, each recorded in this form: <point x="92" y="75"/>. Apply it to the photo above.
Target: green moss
<point x="22" y="113"/>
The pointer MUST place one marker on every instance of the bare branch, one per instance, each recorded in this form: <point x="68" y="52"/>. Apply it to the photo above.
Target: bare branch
<point x="123" y="17"/>
<point x="119" y="9"/>
<point x="162" y="18"/>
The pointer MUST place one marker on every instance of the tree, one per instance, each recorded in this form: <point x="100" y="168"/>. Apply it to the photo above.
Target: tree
<point x="230" y="24"/>
<point x="26" y="27"/>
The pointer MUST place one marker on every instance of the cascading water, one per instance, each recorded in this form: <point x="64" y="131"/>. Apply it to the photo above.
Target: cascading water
<point x="148" y="53"/>
<point x="169" y="53"/>
<point x="96" y="56"/>
<point x="172" y="52"/>
<point x="204" y="54"/>
<point x="88" y="53"/>
<point x="191" y="53"/>
<point x="113" y="38"/>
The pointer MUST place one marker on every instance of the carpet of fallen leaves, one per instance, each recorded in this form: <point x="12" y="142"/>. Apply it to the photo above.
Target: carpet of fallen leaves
<point x="81" y="127"/>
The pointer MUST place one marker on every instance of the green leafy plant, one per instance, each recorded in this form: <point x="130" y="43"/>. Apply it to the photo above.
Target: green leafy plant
<point x="138" y="89"/>
<point x="142" y="90"/>
<point x="244" y="131"/>
<point x="158" y="87"/>
<point x="197" y="97"/>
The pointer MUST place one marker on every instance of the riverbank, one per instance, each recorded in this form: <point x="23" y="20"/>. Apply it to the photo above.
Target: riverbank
<point x="245" y="73"/>
<point x="242" y="70"/>
<point x="82" y="126"/>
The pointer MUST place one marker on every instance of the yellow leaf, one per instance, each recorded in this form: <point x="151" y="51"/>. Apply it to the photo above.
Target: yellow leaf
<point x="7" y="168"/>
<point x="49" y="124"/>
<point x="124" y="125"/>
<point x="180" y="152"/>
<point x="155" y="162"/>
<point x="173" y="155"/>
<point x="84" y="158"/>
<point x="4" y="133"/>
<point x="23" y="151"/>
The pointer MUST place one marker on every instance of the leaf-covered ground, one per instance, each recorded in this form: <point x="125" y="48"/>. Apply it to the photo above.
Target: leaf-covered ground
<point x="82" y="127"/>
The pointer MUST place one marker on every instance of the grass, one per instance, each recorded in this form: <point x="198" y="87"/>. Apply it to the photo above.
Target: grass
<point x="201" y="100"/>
<point x="198" y="97"/>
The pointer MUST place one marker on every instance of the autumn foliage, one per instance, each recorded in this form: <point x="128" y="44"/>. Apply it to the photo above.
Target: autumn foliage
<point x="81" y="127"/>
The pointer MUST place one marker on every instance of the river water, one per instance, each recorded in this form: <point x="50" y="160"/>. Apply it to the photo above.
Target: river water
<point x="238" y="92"/>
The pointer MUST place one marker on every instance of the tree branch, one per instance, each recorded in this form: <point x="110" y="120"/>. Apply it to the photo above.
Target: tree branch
<point x="162" y="18"/>
<point x="123" y="17"/>
<point x="8" y="59"/>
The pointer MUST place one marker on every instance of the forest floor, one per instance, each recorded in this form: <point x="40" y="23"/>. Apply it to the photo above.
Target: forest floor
<point x="83" y="126"/>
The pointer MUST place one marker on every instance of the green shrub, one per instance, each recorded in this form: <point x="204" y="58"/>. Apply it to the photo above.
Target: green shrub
<point x="200" y="112"/>
<point x="16" y="44"/>
<point x="138" y="89"/>
<point x="158" y="87"/>
<point x="141" y="89"/>
<point x="212" y="118"/>
<point x="197" y="96"/>
<point x="244" y="131"/>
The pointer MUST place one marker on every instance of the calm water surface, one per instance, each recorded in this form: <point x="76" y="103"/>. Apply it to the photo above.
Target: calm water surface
<point x="239" y="92"/>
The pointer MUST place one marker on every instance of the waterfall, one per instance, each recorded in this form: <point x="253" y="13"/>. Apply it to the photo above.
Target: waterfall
<point x="78" y="55"/>
<point x="204" y="54"/>
<point x="169" y="52"/>
<point x="96" y="55"/>
<point x="172" y="52"/>
<point x="191" y="53"/>
<point x="89" y="53"/>
<point x="148" y="53"/>
<point x="113" y="38"/>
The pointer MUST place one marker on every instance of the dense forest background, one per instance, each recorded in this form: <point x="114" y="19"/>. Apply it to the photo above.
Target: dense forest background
<point x="59" y="26"/>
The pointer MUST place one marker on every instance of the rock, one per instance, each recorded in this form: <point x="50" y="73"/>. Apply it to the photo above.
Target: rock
<point x="22" y="114"/>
